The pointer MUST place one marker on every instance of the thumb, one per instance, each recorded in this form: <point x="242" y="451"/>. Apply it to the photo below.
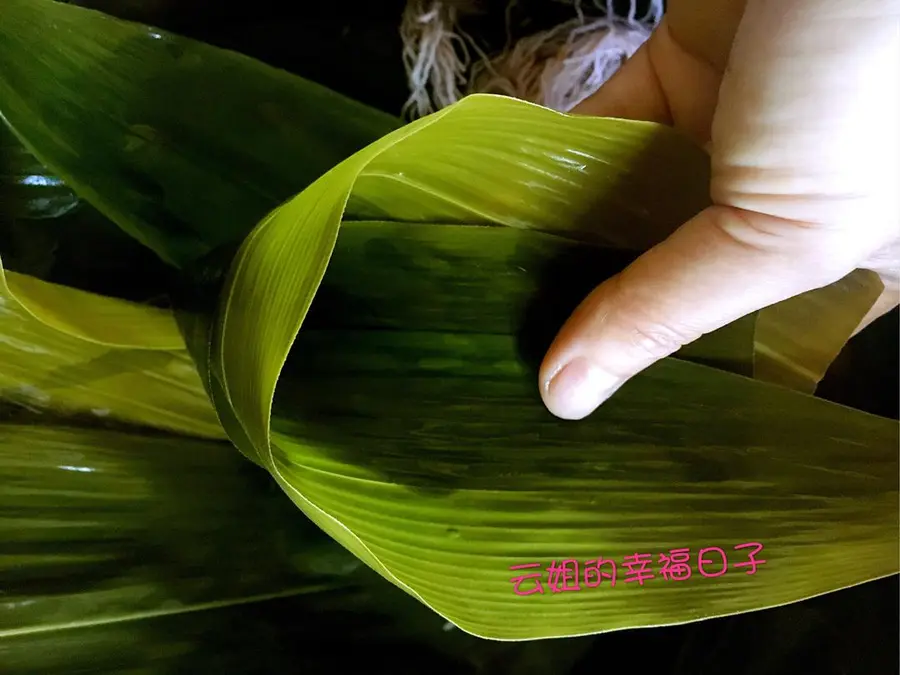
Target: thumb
<point x="804" y="176"/>
<point x="721" y="265"/>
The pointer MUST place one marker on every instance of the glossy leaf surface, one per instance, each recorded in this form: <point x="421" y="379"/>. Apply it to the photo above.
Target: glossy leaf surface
<point x="124" y="551"/>
<point x="425" y="450"/>
<point x="430" y="456"/>
<point x="433" y="455"/>
<point x="183" y="145"/>
<point x="74" y="352"/>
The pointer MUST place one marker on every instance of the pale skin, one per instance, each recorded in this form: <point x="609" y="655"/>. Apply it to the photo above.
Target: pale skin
<point x="798" y="104"/>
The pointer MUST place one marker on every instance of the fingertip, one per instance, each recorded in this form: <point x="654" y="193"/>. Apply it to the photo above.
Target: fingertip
<point x="575" y="389"/>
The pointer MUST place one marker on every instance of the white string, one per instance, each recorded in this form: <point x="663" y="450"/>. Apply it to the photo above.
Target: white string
<point x="557" y="68"/>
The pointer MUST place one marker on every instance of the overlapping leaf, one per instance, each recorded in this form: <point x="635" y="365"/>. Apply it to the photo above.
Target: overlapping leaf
<point x="25" y="188"/>
<point x="48" y="231"/>
<point x="430" y="456"/>
<point x="432" y="450"/>
<point x="104" y="525"/>
<point x="424" y="449"/>
<point x="67" y="350"/>
<point x="184" y="145"/>
<point x="159" y="554"/>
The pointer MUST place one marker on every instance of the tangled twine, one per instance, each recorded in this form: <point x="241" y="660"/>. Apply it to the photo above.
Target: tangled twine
<point x="557" y="68"/>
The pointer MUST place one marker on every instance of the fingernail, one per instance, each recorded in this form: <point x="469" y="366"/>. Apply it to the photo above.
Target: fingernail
<point x="578" y="389"/>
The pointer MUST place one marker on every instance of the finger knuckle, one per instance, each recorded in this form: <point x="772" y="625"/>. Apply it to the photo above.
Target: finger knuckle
<point x="657" y="341"/>
<point x="812" y="254"/>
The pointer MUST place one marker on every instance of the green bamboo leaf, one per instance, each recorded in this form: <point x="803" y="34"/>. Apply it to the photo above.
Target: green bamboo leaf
<point x="620" y="184"/>
<point x="431" y="452"/>
<point x="182" y="144"/>
<point x="492" y="280"/>
<point x="103" y="526"/>
<point x="430" y="456"/>
<point x="83" y="353"/>
<point x="158" y="554"/>
<point x="108" y="321"/>
<point x="27" y="188"/>
<point x="75" y="352"/>
<point x="284" y="258"/>
<point x="797" y="340"/>
<point x="321" y="632"/>
<point x="48" y="231"/>
<point x="283" y="261"/>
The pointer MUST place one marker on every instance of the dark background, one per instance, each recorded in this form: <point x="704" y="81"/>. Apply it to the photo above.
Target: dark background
<point x="351" y="46"/>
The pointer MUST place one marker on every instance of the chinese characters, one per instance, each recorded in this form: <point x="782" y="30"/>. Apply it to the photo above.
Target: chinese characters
<point x="636" y="568"/>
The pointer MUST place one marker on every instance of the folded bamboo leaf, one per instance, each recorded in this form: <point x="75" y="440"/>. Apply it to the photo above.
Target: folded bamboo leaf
<point x="142" y="373"/>
<point x="284" y="258"/>
<point x="370" y="197"/>
<point x="430" y="456"/>
<point x="182" y="144"/>
<point x="320" y="240"/>
<point x="314" y="242"/>
<point x="77" y="352"/>
<point x="620" y="184"/>
<point x="156" y="554"/>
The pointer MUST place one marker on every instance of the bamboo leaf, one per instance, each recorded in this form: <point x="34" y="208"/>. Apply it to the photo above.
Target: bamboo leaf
<point x="27" y="189"/>
<point x="430" y="456"/>
<point x="259" y="638"/>
<point x="489" y="160"/>
<point x="284" y="258"/>
<point x="492" y="280"/>
<point x="182" y="144"/>
<point x="432" y="453"/>
<point x="109" y="322"/>
<point x="82" y="353"/>
<point x="153" y="553"/>
<point x="798" y="339"/>
<point x="75" y="352"/>
<point x="622" y="184"/>
<point x="48" y="231"/>
<point x="103" y="525"/>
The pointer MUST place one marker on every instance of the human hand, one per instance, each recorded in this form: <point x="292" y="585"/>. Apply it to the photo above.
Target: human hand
<point x="798" y="103"/>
